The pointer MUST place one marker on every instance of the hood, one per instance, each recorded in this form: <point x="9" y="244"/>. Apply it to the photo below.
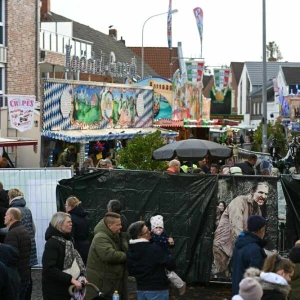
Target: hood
<point x="79" y="211"/>
<point x="245" y="238"/>
<point x="269" y="281"/>
<point x="274" y="282"/>
<point x="137" y="248"/>
<point x="9" y="255"/>
<point x="17" y="202"/>
<point x="51" y="231"/>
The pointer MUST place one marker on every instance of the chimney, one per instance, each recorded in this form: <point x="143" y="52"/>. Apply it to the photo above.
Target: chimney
<point x="122" y="41"/>
<point x="45" y="7"/>
<point x="113" y="33"/>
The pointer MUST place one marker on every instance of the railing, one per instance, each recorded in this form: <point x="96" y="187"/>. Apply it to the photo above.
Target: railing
<point x="51" y="41"/>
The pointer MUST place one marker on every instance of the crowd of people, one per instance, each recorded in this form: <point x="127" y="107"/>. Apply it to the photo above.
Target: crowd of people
<point x="71" y="264"/>
<point x="259" y="276"/>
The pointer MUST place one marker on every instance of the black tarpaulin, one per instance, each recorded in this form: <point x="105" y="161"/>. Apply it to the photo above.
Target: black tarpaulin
<point x="187" y="203"/>
<point x="291" y="189"/>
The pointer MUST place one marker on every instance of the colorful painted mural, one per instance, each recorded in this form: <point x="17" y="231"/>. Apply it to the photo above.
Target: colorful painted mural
<point x="96" y="106"/>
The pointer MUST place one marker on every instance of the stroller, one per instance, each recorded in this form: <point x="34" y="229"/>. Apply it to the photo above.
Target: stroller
<point x="76" y="295"/>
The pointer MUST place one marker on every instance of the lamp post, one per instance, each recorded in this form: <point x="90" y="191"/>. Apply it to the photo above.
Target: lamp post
<point x="172" y="12"/>
<point x="264" y="90"/>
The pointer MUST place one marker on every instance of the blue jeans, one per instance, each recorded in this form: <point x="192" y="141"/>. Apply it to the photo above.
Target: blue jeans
<point x="153" y="295"/>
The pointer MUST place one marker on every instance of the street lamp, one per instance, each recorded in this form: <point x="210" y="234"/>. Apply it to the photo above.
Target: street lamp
<point x="264" y="90"/>
<point x="172" y="12"/>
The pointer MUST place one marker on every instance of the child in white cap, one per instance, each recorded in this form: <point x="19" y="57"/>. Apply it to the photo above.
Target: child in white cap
<point x="160" y="237"/>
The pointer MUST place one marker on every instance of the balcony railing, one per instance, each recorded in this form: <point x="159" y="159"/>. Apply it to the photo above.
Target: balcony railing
<point x="51" y="41"/>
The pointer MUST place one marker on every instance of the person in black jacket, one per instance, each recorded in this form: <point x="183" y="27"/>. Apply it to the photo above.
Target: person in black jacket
<point x="6" y="289"/>
<point x="80" y="226"/>
<point x="3" y="209"/>
<point x="58" y="256"/>
<point x="19" y="237"/>
<point x="247" y="166"/>
<point x="9" y="256"/>
<point x="147" y="263"/>
<point x="248" y="250"/>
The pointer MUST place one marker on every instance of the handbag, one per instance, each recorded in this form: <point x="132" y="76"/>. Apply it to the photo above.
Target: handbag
<point x="74" y="270"/>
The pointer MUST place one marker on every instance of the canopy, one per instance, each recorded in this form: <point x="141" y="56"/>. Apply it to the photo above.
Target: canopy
<point x="84" y="136"/>
<point x="192" y="149"/>
<point x="11" y="142"/>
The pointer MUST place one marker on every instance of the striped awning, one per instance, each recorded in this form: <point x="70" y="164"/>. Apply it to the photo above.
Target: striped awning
<point x="84" y="136"/>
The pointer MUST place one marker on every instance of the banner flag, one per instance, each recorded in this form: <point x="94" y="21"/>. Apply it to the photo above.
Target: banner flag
<point x="221" y="77"/>
<point x="194" y="70"/>
<point x="198" y="12"/>
<point x="21" y="111"/>
<point x="169" y="26"/>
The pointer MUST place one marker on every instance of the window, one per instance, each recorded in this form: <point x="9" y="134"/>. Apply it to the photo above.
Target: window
<point x="2" y="12"/>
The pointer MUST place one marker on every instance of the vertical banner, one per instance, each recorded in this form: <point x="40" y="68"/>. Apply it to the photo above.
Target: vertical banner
<point x="194" y="70"/>
<point x="21" y="111"/>
<point x="221" y="77"/>
<point x="169" y="25"/>
<point x="198" y="12"/>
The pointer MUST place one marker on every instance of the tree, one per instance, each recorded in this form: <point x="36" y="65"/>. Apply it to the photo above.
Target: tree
<point x="275" y="131"/>
<point x="274" y="53"/>
<point x="137" y="154"/>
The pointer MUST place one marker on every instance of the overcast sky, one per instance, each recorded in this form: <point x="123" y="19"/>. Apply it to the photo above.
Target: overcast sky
<point x="232" y="29"/>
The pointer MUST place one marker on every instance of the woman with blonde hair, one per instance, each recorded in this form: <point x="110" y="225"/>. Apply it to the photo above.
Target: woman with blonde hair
<point x="80" y="228"/>
<point x="62" y="264"/>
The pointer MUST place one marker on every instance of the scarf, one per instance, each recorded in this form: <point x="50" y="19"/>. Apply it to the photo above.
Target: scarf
<point x="70" y="254"/>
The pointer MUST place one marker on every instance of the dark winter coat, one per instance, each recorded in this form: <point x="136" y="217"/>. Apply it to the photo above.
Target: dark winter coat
<point x="162" y="240"/>
<point x="295" y="284"/>
<point x="27" y="222"/>
<point x="6" y="289"/>
<point x="106" y="266"/>
<point x="9" y="255"/>
<point x="19" y="237"/>
<point x="3" y="207"/>
<point x="147" y="263"/>
<point x="248" y="252"/>
<point x="80" y="231"/>
<point x="55" y="282"/>
<point x="247" y="168"/>
<point x="271" y="291"/>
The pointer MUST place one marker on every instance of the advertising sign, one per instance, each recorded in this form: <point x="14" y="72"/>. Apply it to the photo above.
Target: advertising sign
<point x="21" y="111"/>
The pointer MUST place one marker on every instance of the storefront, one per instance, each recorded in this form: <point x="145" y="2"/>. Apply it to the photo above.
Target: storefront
<point x="77" y="113"/>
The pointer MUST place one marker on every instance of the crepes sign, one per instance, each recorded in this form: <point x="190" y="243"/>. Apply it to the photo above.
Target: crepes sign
<point x="21" y="111"/>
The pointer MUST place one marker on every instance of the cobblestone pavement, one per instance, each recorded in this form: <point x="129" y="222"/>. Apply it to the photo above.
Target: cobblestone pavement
<point x="213" y="291"/>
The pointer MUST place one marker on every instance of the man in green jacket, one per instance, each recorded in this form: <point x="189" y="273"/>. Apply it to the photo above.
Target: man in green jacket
<point x="106" y="266"/>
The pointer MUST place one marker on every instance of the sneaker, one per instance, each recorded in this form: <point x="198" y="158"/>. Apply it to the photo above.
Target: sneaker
<point x="182" y="289"/>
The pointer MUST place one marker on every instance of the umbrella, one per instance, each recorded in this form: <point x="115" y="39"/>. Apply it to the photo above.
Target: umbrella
<point x="192" y="149"/>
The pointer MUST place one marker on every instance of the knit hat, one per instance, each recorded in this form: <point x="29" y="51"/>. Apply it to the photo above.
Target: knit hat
<point x="294" y="254"/>
<point x="157" y="221"/>
<point x="255" y="223"/>
<point x="250" y="289"/>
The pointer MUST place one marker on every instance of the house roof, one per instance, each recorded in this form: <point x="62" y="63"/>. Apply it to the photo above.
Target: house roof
<point x="102" y="42"/>
<point x="255" y="70"/>
<point x="237" y="69"/>
<point x="160" y="59"/>
<point x="291" y="75"/>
